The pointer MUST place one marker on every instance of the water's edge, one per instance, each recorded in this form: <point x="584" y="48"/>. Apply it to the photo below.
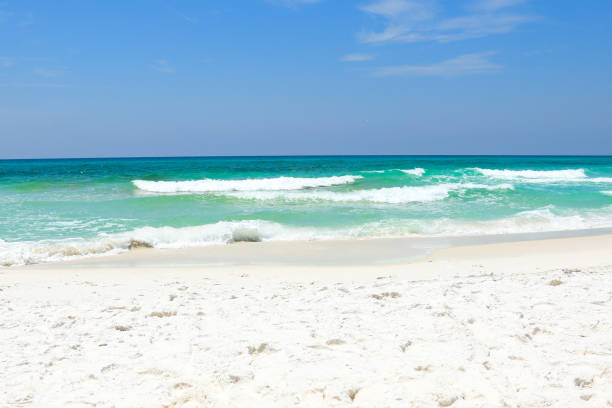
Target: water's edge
<point x="373" y="251"/>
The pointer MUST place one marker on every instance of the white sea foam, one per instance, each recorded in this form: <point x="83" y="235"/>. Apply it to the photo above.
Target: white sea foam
<point x="544" y="176"/>
<point x="607" y="192"/>
<point x="543" y="219"/>
<point x="552" y="175"/>
<point x="414" y="172"/>
<point x="390" y="195"/>
<point x="24" y="253"/>
<point x="264" y="184"/>
<point x="539" y="220"/>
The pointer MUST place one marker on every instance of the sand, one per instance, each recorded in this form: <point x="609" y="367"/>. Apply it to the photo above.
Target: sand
<point x="518" y="324"/>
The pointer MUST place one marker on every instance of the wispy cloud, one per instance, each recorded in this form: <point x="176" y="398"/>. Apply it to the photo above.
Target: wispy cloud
<point x="415" y="10"/>
<point x="467" y="64"/>
<point x="163" y="65"/>
<point x="6" y="62"/>
<point x="496" y="4"/>
<point x="356" y="57"/>
<point x="423" y="20"/>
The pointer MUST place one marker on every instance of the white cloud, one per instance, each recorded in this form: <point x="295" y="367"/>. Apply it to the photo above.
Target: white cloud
<point x="467" y="64"/>
<point x="421" y="20"/>
<point x="356" y="57"/>
<point x="163" y="65"/>
<point x="480" y="25"/>
<point x="496" y="4"/>
<point x="416" y="10"/>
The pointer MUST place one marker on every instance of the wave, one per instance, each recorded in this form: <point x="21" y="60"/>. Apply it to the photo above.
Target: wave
<point x="30" y="252"/>
<point x="540" y="220"/>
<point x="264" y="184"/>
<point x="389" y="195"/>
<point x="607" y="193"/>
<point x="543" y="176"/>
<point x="556" y="175"/>
<point x="414" y="172"/>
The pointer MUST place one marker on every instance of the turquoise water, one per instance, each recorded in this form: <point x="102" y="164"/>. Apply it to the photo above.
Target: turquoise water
<point x="58" y="209"/>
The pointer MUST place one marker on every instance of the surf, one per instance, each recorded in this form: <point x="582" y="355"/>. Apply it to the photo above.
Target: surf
<point x="226" y="232"/>
<point x="390" y="195"/>
<point x="263" y="184"/>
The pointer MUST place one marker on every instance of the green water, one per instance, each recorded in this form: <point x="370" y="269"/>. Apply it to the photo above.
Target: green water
<point x="54" y="209"/>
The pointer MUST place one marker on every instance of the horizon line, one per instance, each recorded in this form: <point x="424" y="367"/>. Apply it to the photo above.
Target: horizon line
<point x="299" y="155"/>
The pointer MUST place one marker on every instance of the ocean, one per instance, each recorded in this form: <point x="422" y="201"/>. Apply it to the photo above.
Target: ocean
<point x="53" y="210"/>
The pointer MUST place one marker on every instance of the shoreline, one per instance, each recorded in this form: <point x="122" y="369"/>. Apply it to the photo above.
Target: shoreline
<point x="316" y="253"/>
<point x="503" y="258"/>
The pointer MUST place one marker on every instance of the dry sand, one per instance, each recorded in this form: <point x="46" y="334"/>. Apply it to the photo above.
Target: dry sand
<point x="520" y="324"/>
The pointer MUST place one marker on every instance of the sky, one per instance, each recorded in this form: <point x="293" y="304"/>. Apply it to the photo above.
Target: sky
<point x="301" y="77"/>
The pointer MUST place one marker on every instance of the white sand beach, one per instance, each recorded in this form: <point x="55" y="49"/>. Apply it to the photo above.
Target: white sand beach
<point x="518" y="324"/>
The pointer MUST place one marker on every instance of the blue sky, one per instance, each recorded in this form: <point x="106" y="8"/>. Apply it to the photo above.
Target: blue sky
<point x="255" y="77"/>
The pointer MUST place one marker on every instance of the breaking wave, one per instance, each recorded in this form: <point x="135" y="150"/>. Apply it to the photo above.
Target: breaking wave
<point x="390" y="195"/>
<point x="543" y="176"/>
<point x="414" y="172"/>
<point x="264" y="184"/>
<point x="540" y="220"/>
<point x="552" y="175"/>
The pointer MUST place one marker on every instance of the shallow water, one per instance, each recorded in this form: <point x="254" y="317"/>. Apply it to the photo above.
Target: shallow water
<point x="58" y="209"/>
